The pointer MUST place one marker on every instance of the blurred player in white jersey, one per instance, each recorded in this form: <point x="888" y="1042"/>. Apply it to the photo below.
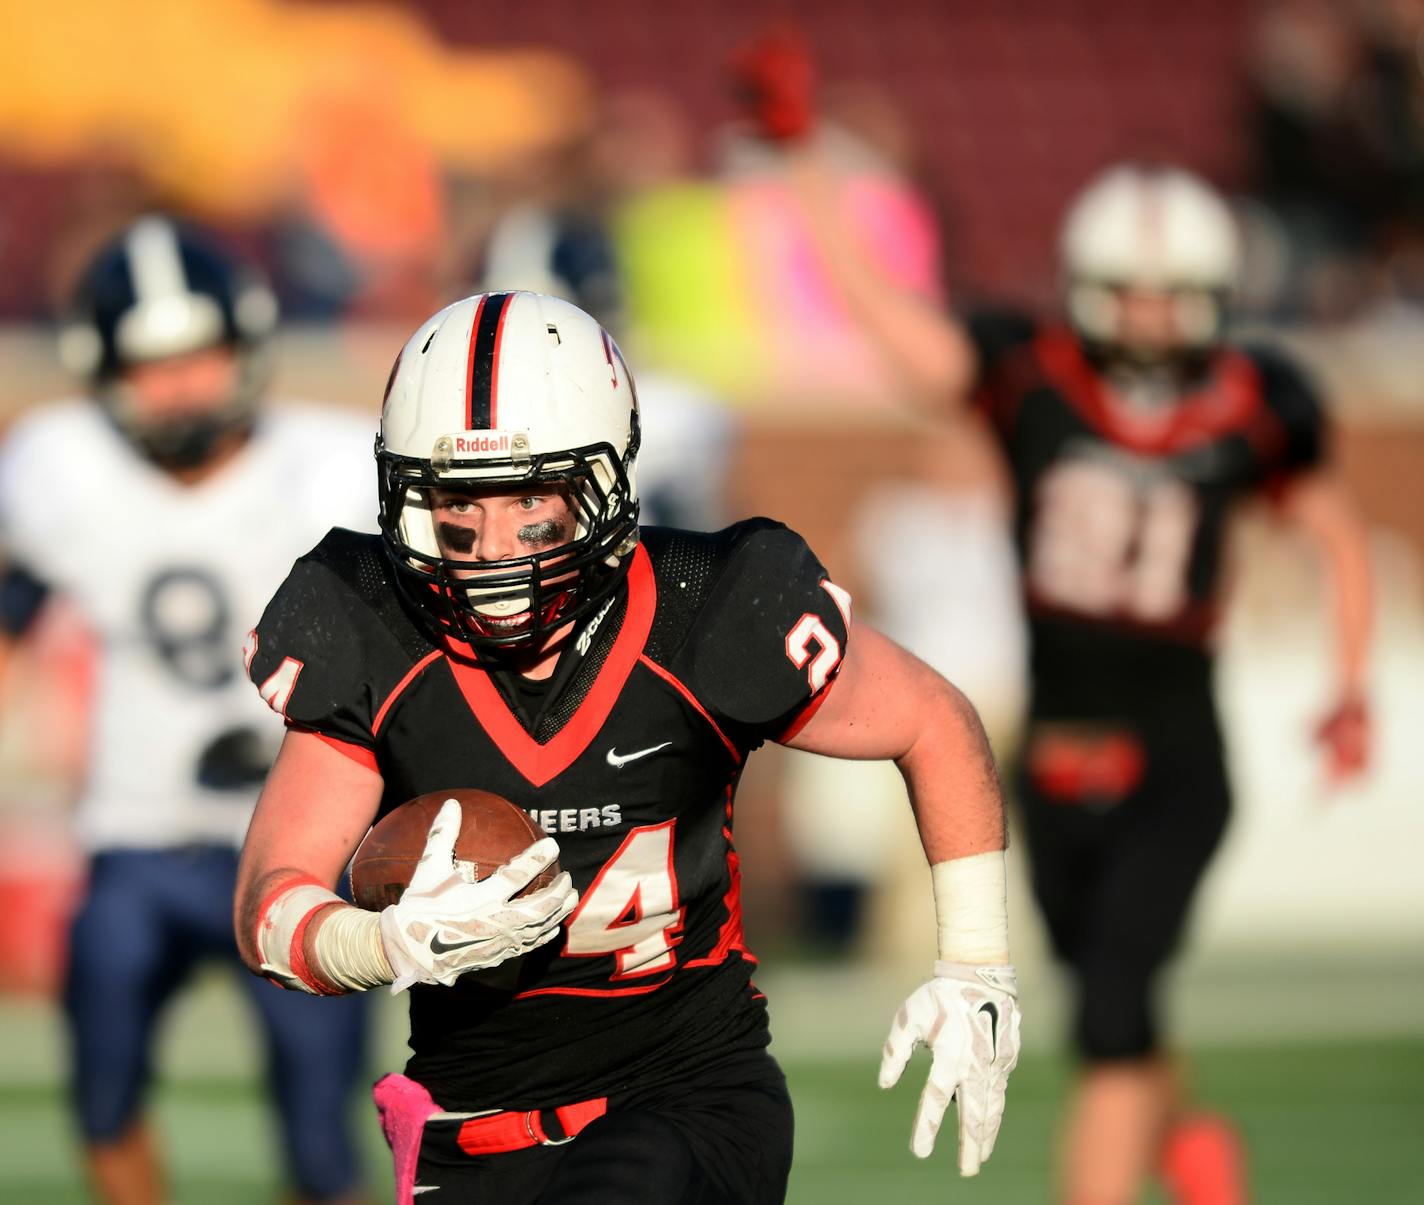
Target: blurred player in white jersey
<point x="165" y="508"/>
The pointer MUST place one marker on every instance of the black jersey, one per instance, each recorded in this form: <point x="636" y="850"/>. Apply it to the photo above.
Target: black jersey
<point x="1119" y="521"/>
<point x="716" y="643"/>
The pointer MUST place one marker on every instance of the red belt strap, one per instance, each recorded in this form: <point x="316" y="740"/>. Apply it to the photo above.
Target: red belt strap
<point x="499" y="1133"/>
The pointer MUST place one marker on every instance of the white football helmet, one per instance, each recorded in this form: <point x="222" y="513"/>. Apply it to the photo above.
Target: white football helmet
<point x="1160" y="229"/>
<point x="499" y="389"/>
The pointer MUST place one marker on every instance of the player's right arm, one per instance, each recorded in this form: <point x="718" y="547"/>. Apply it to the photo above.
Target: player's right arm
<point x="318" y="657"/>
<point x="317" y="805"/>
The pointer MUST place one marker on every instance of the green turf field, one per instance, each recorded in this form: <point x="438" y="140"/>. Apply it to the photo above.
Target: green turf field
<point x="1327" y="1123"/>
<point x="1326" y="1081"/>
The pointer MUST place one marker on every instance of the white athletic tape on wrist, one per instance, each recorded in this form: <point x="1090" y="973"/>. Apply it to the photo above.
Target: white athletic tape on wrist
<point x="281" y="926"/>
<point x="348" y="951"/>
<point x="971" y="908"/>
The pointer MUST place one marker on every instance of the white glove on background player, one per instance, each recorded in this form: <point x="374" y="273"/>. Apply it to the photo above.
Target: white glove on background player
<point x="446" y="924"/>
<point x="968" y="1016"/>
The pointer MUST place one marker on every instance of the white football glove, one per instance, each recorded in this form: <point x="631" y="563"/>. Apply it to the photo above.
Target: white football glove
<point x="446" y="923"/>
<point x="968" y="1016"/>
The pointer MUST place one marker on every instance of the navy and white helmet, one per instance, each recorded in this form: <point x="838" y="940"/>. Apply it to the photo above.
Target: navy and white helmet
<point x="508" y="389"/>
<point x="160" y="290"/>
<point x="1158" y="228"/>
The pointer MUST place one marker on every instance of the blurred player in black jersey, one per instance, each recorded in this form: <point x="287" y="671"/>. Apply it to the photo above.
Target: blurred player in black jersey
<point x="598" y="1039"/>
<point x="1132" y="431"/>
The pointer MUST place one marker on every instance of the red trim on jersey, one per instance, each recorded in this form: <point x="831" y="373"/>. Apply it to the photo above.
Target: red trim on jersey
<point x="1228" y="403"/>
<point x="494" y="364"/>
<point x="732" y="938"/>
<point x="813" y="705"/>
<point x="642" y="990"/>
<point x="400" y="686"/>
<point x="541" y="763"/>
<point x="1267" y="435"/>
<point x="361" y="755"/>
<point x="668" y="677"/>
<point x="470" y="365"/>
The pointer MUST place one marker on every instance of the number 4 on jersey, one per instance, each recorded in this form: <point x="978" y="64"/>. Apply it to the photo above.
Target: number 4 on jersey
<point x="276" y="691"/>
<point x="630" y="910"/>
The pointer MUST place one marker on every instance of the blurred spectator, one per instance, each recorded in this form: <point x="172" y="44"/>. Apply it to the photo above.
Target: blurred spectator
<point x="814" y="348"/>
<point x="162" y="508"/>
<point x="1132" y="431"/>
<point x="1339" y="125"/>
<point x="685" y="285"/>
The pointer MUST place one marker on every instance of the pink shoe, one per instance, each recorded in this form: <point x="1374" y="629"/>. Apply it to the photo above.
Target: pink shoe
<point x="1204" y="1162"/>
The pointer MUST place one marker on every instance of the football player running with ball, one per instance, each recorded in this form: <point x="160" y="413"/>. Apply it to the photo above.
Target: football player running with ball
<point x="513" y="629"/>
<point x="1133" y="431"/>
<point x="164" y="508"/>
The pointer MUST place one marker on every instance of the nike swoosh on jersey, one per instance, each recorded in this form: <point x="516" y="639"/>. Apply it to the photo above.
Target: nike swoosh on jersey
<point x="617" y="759"/>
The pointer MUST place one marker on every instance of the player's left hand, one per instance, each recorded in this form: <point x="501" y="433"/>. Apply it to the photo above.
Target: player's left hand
<point x="1344" y="737"/>
<point x="968" y="1016"/>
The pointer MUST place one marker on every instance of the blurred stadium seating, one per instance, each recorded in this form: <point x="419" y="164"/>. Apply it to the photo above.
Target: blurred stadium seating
<point x="1015" y="105"/>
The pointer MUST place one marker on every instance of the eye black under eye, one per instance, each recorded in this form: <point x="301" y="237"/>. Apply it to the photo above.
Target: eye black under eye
<point x="549" y="531"/>
<point x="458" y="537"/>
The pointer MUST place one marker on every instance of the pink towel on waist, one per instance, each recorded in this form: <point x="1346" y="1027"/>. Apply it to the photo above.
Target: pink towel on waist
<point x="404" y="1107"/>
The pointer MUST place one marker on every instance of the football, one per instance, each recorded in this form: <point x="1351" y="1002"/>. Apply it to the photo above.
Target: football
<point x="492" y="830"/>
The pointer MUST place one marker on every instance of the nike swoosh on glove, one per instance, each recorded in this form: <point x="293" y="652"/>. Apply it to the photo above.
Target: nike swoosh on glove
<point x="968" y="1016"/>
<point x="447" y="923"/>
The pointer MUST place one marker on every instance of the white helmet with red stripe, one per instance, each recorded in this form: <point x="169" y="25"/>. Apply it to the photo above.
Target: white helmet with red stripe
<point x="509" y="388"/>
<point x="1149" y="228"/>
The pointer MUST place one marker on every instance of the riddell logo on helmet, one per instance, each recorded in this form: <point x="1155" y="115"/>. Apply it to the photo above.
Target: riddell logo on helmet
<point x="494" y="441"/>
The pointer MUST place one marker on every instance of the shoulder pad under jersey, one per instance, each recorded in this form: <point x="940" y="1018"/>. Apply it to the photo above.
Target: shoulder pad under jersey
<point x="749" y="621"/>
<point x="335" y="639"/>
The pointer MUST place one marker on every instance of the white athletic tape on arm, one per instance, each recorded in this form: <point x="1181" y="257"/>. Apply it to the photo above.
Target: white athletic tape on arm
<point x="279" y="928"/>
<point x="971" y="908"/>
<point x="347" y="949"/>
